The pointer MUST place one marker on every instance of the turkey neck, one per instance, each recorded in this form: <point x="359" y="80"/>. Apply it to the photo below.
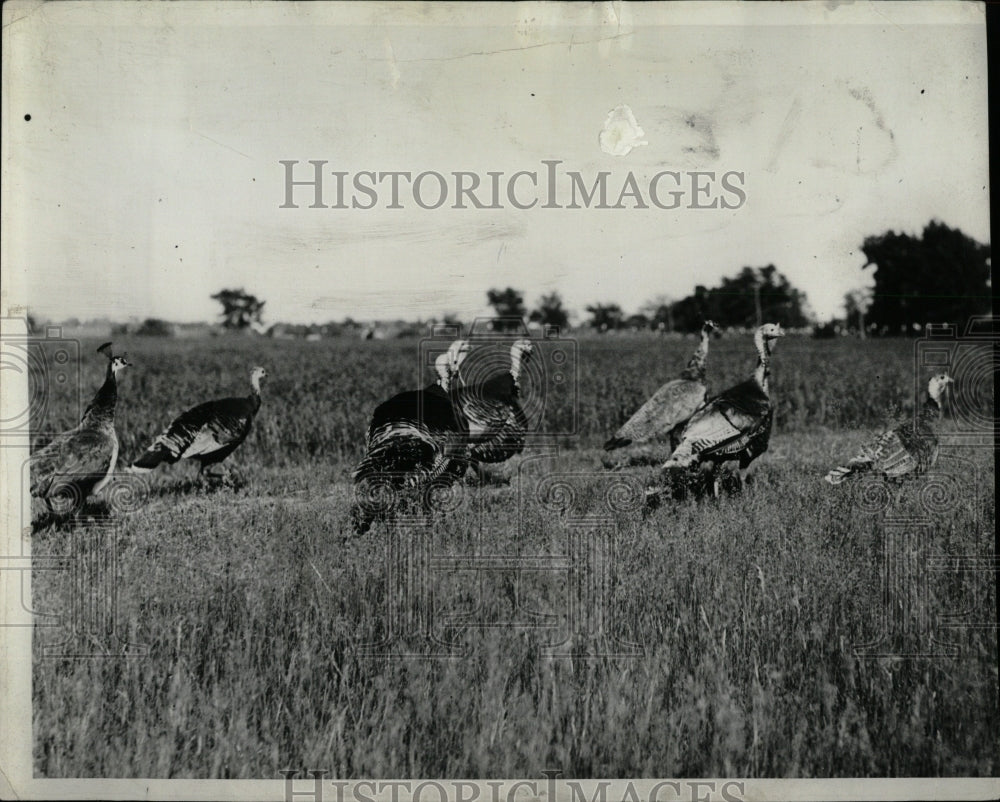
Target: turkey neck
<point x="255" y="392"/>
<point x="763" y="371"/>
<point x="931" y="413"/>
<point x="515" y="370"/>
<point x="696" y="365"/>
<point x="102" y="408"/>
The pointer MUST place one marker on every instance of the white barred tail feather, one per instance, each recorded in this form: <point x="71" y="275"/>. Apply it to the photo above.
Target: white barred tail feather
<point x="909" y="449"/>
<point x="208" y="432"/>
<point x="838" y="475"/>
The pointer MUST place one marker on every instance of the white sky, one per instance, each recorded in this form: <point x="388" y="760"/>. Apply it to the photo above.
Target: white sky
<point x="148" y="176"/>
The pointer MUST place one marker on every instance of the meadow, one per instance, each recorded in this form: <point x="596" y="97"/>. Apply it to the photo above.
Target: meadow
<point x="728" y="637"/>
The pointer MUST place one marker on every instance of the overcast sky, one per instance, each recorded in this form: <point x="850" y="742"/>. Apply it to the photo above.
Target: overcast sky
<point x="149" y="174"/>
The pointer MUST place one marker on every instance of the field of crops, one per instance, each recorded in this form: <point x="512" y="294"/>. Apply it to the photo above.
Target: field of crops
<point x="734" y="637"/>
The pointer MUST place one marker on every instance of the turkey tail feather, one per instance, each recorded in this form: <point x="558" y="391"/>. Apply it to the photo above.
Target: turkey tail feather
<point x="840" y="473"/>
<point x="153" y="457"/>
<point x="682" y="457"/>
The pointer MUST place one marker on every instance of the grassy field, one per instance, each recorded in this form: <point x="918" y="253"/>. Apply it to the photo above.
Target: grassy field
<point x="259" y="610"/>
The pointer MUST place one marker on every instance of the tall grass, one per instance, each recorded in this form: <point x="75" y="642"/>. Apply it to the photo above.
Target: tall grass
<point x="256" y="604"/>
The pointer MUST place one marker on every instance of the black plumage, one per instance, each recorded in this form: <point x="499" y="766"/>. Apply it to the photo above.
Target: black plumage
<point x="80" y="462"/>
<point x="497" y="421"/>
<point x="415" y="439"/>
<point x="207" y="433"/>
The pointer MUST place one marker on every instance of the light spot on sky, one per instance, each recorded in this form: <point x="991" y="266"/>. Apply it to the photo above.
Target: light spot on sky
<point x="621" y="132"/>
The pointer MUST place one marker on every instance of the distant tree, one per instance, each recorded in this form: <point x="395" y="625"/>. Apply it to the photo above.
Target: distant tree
<point x="660" y="311"/>
<point x="550" y="312"/>
<point x="636" y="322"/>
<point x="856" y="305"/>
<point x="941" y="277"/>
<point x="154" y="327"/>
<point x="735" y="302"/>
<point x="33" y="325"/>
<point x="349" y="324"/>
<point x="605" y="317"/>
<point x="780" y="302"/>
<point x="690" y="312"/>
<point x="240" y="309"/>
<point x="751" y="297"/>
<point x="508" y="305"/>
<point x="755" y="296"/>
<point x="826" y="331"/>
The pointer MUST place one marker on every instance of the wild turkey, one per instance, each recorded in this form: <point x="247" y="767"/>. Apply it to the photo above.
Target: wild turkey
<point x="79" y="463"/>
<point x="910" y="448"/>
<point x="497" y="422"/>
<point x="734" y="426"/>
<point x="669" y="408"/>
<point x="415" y="439"/>
<point x="208" y="433"/>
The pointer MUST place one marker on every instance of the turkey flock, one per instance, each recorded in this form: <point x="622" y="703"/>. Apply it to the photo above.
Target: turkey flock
<point x="423" y="442"/>
<point x="79" y="463"/>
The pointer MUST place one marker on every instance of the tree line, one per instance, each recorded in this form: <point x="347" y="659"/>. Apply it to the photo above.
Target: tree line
<point x="939" y="276"/>
<point x="748" y="299"/>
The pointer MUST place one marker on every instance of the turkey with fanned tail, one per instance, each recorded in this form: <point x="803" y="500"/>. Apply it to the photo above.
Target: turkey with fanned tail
<point x="79" y="463"/>
<point x="663" y="416"/>
<point x="416" y="440"/>
<point x="497" y="421"/>
<point x="909" y="449"/>
<point x="734" y="426"/>
<point x="207" y="433"/>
